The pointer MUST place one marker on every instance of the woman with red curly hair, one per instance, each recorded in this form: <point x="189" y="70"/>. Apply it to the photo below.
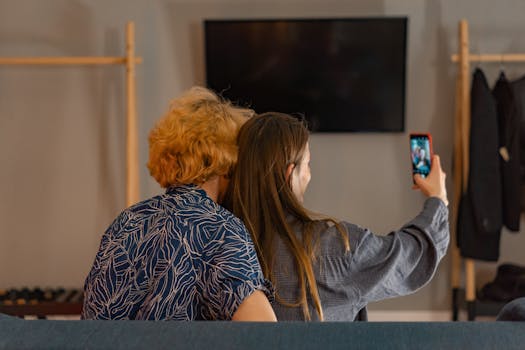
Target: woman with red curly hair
<point x="180" y="255"/>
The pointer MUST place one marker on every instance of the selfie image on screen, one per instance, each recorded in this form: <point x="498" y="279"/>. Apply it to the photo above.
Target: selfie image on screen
<point x="420" y="153"/>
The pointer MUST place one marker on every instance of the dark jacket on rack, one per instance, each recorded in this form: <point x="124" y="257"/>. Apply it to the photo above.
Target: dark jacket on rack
<point x="480" y="214"/>
<point x="509" y="147"/>
<point x="518" y="87"/>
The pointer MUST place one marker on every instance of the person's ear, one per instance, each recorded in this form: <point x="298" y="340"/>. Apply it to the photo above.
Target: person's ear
<point x="289" y="171"/>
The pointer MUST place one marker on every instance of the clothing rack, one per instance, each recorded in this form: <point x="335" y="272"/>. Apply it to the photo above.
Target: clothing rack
<point x="130" y="60"/>
<point x="461" y="160"/>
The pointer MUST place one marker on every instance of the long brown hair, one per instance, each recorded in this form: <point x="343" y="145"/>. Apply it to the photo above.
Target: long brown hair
<point x="261" y="195"/>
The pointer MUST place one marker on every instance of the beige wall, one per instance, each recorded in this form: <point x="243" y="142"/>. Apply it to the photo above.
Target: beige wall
<point x="61" y="129"/>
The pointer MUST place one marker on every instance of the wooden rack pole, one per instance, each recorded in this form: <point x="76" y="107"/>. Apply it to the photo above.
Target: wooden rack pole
<point x="64" y="60"/>
<point x="470" y="277"/>
<point x="464" y="64"/>
<point x="515" y="57"/>
<point x="461" y="165"/>
<point x="132" y="175"/>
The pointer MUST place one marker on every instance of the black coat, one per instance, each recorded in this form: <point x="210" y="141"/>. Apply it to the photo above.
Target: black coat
<point x="480" y="214"/>
<point x="518" y="87"/>
<point x="509" y="148"/>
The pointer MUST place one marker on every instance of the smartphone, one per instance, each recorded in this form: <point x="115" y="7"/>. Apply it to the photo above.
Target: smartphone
<point x="421" y="153"/>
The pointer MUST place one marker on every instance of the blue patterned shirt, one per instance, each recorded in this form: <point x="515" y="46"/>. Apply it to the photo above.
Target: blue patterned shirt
<point x="177" y="256"/>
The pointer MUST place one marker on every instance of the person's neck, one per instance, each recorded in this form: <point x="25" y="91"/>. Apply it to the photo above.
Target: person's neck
<point x="211" y="187"/>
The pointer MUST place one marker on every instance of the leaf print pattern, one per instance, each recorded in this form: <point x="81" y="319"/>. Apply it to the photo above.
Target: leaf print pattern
<point x="177" y="256"/>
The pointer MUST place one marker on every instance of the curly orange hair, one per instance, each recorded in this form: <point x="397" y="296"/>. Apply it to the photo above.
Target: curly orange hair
<point x="196" y="139"/>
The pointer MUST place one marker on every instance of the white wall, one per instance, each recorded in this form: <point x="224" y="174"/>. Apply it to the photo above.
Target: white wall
<point x="61" y="129"/>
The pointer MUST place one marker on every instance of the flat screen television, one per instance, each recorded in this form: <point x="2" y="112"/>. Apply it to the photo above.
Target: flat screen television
<point x="341" y="75"/>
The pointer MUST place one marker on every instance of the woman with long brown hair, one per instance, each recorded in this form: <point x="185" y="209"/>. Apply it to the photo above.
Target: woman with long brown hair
<point x="323" y="269"/>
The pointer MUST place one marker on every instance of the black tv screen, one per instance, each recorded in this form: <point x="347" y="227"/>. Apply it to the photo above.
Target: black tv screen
<point x="341" y="75"/>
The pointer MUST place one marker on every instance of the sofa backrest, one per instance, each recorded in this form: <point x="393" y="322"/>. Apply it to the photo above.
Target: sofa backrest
<point x="46" y="334"/>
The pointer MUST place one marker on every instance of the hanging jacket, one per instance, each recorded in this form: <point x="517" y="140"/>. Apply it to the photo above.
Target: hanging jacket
<point x="518" y="87"/>
<point x="509" y="147"/>
<point x="480" y="215"/>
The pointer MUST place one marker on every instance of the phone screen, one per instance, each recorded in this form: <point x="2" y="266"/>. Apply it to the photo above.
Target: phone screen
<point x="420" y="153"/>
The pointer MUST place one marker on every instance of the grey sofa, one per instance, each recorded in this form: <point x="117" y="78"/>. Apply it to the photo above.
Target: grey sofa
<point x="45" y="334"/>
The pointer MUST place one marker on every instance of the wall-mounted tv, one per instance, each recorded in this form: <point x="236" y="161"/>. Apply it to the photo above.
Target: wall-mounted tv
<point x="341" y="75"/>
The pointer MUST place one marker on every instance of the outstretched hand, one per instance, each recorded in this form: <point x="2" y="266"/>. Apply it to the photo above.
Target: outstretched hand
<point x="434" y="184"/>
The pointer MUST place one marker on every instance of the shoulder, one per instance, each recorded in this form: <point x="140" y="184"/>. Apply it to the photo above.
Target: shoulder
<point x="231" y="225"/>
<point x="216" y="222"/>
<point x="192" y="205"/>
<point x="331" y="238"/>
<point x="138" y="211"/>
<point x="362" y="241"/>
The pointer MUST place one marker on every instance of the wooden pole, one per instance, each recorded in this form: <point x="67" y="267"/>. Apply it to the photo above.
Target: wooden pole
<point x="461" y="133"/>
<point x="470" y="280"/>
<point x="132" y="163"/>
<point x="470" y="277"/>
<point x="64" y="60"/>
<point x="464" y="66"/>
<point x="515" y="57"/>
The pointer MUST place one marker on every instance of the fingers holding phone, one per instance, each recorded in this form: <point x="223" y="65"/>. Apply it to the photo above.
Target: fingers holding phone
<point x="433" y="185"/>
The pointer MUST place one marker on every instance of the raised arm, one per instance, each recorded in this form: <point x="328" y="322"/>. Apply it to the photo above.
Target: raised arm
<point x="404" y="260"/>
